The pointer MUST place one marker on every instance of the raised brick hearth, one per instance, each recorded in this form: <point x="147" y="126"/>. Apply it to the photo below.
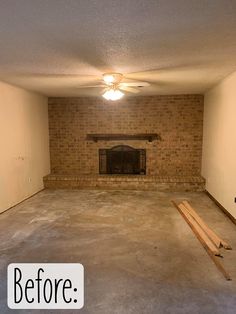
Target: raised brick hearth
<point x="123" y="182"/>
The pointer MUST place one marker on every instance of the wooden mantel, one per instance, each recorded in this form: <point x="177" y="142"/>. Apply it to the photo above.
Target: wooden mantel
<point x="117" y="137"/>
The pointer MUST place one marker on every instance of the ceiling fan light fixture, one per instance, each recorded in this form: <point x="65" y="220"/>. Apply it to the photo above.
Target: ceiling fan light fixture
<point x="113" y="94"/>
<point x="108" y="78"/>
<point x="112" y="78"/>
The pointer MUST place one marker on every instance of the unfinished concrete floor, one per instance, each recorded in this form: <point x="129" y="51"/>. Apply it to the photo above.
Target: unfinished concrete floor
<point x="139" y="254"/>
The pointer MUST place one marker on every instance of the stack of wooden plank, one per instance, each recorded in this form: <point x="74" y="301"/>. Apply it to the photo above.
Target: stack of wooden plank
<point x="207" y="237"/>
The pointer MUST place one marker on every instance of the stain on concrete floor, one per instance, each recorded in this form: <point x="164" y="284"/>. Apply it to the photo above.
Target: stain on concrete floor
<point x="139" y="254"/>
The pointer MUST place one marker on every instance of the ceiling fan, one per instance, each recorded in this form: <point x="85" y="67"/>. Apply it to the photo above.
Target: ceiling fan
<point x="113" y="85"/>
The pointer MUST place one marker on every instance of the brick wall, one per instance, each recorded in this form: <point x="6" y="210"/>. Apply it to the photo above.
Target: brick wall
<point x="177" y="119"/>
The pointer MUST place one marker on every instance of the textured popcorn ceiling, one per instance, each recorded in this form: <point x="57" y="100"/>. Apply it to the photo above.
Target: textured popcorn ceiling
<point x="54" y="46"/>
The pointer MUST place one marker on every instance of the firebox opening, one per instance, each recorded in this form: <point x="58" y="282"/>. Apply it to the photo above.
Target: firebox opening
<point x="122" y="159"/>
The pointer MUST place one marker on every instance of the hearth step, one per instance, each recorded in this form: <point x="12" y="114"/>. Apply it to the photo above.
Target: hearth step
<point x="125" y="182"/>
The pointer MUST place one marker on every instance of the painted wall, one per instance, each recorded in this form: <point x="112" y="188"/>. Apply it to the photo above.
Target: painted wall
<point x="219" y="143"/>
<point x="24" y="155"/>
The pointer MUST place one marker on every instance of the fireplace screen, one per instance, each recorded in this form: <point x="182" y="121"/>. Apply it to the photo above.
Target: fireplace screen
<point x="122" y="159"/>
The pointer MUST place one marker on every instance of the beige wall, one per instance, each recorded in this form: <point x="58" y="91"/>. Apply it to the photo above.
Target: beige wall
<point x="24" y="155"/>
<point x="219" y="143"/>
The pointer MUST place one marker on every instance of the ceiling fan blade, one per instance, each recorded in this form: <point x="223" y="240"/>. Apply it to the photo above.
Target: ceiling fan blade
<point x="141" y="84"/>
<point x="90" y="86"/>
<point x="129" y="89"/>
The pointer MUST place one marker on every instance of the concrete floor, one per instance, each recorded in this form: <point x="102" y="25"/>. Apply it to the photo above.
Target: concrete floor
<point x="139" y="254"/>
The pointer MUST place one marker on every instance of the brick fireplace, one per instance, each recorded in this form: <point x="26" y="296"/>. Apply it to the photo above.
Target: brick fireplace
<point x="172" y="159"/>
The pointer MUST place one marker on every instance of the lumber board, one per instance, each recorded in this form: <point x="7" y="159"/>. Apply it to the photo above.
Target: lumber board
<point x="212" y="235"/>
<point x="226" y="245"/>
<point x="199" y="230"/>
<point x="211" y="255"/>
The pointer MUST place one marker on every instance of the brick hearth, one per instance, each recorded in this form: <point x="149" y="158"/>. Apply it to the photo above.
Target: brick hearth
<point x="123" y="182"/>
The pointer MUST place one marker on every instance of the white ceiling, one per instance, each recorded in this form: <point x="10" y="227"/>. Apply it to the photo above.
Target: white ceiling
<point x="54" y="46"/>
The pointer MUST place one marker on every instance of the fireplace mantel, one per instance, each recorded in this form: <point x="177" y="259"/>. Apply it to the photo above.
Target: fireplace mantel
<point x="117" y="137"/>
